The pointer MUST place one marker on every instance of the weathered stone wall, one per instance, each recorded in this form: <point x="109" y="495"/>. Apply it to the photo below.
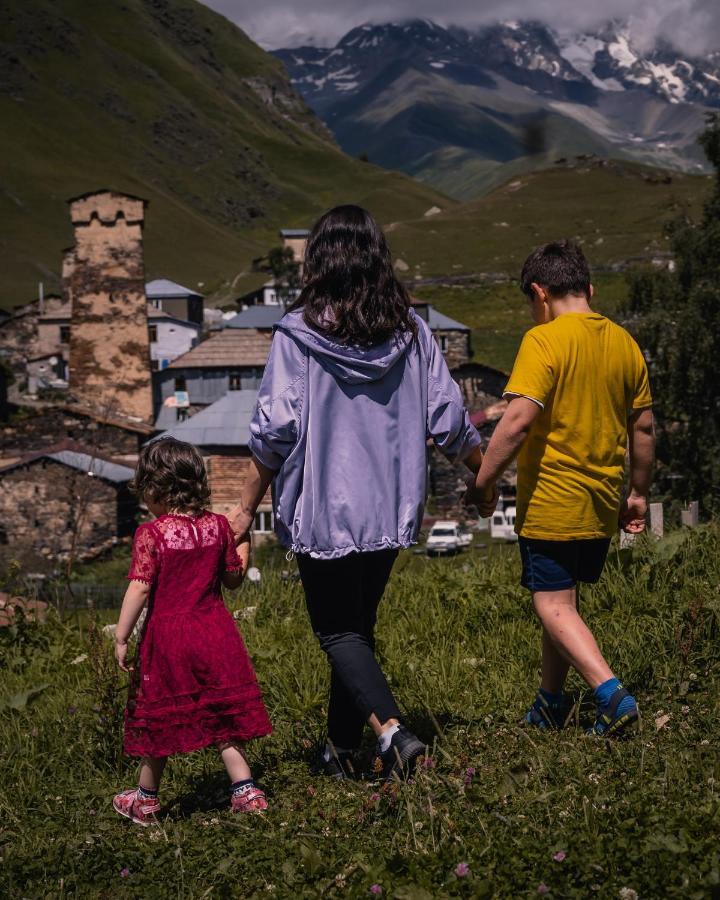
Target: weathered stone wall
<point x="46" y="506"/>
<point x="105" y="282"/>
<point x="480" y="385"/>
<point x="457" y="346"/>
<point x="52" y="425"/>
<point x="226" y="476"/>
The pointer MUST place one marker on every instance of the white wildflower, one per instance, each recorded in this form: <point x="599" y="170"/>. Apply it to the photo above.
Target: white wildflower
<point x="78" y="659"/>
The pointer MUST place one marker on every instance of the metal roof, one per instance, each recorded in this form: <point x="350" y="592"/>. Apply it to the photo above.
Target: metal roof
<point x="438" y="322"/>
<point x="163" y="287"/>
<point x="83" y="462"/>
<point x="294" y="232"/>
<point x="225" y="423"/>
<point x="257" y="317"/>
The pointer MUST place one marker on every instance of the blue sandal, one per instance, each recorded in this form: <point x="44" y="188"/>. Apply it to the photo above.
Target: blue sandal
<point x="611" y="723"/>
<point x="549" y="715"/>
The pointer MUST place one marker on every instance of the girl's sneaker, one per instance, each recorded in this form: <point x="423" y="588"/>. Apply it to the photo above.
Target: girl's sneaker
<point x="339" y="765"/>
<point x="252" y="799"/>
<point x="398" y="761"/>
<point x="140" y="811"/>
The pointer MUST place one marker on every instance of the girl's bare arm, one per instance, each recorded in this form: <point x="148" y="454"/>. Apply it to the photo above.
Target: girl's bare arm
<point x="136" y="596"/>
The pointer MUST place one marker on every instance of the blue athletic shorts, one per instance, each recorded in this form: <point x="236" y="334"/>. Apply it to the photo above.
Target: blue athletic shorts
<point x="557" y="565"/>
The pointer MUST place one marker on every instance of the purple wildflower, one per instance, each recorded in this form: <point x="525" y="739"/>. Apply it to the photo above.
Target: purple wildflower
<point x="543" y="888"/>
<point x="72" y="710"/>
<point x="470" y="772"/>
<point x="559" y="856"/>
<point x="428" y="762"/>
<point x="374" y="798"/>
<point x="125" y="873"/>
<point x="462" y="869"/>
<point x="375" y="889"/>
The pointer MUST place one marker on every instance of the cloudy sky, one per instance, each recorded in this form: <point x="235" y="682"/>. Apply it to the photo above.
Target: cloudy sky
<point x="694" y="25"/>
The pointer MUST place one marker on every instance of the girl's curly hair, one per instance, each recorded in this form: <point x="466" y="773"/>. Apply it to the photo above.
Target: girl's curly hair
<point x="172" y="472"/>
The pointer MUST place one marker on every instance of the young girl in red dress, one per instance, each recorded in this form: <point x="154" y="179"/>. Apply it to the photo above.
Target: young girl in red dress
<point x="193" y="685"/>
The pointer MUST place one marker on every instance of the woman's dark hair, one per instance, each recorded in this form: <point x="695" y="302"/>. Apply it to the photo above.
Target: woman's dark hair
<point x="350" y="292"/>
<point x="560" y="267"/>
<point x="172" y="472"/>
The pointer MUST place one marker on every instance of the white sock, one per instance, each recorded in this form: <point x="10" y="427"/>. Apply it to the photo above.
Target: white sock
<point x="332" y="750"/>
<point x="386" y="737"/>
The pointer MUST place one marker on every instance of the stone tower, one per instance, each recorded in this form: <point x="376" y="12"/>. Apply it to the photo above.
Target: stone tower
<point x="104" y="280"/>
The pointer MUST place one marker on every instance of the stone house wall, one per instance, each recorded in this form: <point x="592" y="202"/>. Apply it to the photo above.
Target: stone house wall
<point x="45" y="506"/>
<point x="456" y="346"/>
<point x="226" y="477"/>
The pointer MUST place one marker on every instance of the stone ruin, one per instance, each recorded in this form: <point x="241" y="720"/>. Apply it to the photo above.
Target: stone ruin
<point x="104" y="281"/>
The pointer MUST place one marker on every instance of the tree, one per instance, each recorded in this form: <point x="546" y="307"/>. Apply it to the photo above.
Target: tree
<point x="286" y="273"/>
<point x="675" y="316"/>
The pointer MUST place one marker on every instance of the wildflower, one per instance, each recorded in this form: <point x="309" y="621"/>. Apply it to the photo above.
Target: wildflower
<point x="375" y="889"/>
<point x="559" y="856"/>
<point x="685" y="710"/>
<point x="125" y="872"/>
<point x="78" y="659"/>
<point x="312" y="791"/>
<point x="543" y="888"/>
<point x="470" y="772"/>
<point x="627" y="893"/>
<point x="428" y="762"/>
<point x="462" y="869"/>
<point x="154" y="835"/>
<point x="72" y="710"/>
<point x="374" y="798"/>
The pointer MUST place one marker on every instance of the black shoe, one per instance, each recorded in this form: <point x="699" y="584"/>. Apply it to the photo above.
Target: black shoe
<point x="400" y="757"/>
<point x="340" y="765"/>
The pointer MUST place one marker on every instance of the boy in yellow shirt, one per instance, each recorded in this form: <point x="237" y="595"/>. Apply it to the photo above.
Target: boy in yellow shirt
<point x="579" y="398"/>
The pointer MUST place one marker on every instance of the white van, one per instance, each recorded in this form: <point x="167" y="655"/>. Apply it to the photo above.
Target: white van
<point x="447" y="537"/>
<point x="502" y="524"/>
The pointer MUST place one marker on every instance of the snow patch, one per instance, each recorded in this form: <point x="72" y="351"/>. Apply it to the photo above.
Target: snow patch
<point x="580" y="53"/>
<point x="437" y="65"/>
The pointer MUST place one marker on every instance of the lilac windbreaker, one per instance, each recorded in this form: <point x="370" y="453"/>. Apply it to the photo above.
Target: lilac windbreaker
<point x="346" y="430"/>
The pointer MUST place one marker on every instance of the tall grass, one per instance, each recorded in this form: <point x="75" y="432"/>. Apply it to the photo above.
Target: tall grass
<point x="527" y="812"/>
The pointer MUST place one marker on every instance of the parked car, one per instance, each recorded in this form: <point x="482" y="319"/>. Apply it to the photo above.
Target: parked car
<point x="447" y="537"/>
<point x="502" y="524"/>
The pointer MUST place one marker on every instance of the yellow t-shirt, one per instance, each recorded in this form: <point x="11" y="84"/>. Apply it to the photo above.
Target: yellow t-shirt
<point x="587" y="373"/>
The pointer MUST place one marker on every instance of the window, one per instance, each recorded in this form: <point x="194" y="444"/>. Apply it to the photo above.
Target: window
<point x="64" y="334"/>
<point x="180" y="383"/>
<point x="443" y="341"/>
<point x="3" y="535"/>
<point x="154" y="365"/>
<point x="235" y="383"/>
<point x="153" y="333"/>
<point x="264" y="522"/>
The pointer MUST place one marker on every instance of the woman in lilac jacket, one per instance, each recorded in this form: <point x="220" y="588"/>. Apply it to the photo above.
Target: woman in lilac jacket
<point x="355" y="384"/>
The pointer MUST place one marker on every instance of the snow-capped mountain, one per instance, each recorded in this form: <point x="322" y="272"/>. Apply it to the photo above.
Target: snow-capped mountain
<point x="454" y="106"/>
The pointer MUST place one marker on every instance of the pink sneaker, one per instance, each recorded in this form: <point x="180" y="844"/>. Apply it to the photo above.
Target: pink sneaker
<point x="141" y="812"/>
<point x="251" y="800"/>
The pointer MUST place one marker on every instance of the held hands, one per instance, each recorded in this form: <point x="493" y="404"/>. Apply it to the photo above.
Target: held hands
<point x="243" y="550"/>
<point x="484" y="496"/>
<point x="632" y="513"/>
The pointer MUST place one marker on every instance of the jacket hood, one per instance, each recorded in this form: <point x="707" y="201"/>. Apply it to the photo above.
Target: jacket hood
<point x="355" y="365"/>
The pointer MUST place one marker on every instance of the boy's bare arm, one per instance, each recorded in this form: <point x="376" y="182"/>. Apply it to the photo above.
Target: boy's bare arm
<point x="641" y="444"/>
<point x="257" y="483"/>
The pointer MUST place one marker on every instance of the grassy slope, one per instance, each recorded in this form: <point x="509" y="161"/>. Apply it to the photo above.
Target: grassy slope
<point x="153" y="97"/>
<point x="461" y="647"/>
<point x="615" y="211"/>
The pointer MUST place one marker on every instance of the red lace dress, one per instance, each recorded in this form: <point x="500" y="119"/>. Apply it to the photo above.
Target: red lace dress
<point x="194" y="684"/>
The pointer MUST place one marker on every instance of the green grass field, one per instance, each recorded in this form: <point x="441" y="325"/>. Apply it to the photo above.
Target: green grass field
<point x="527" y="813"/>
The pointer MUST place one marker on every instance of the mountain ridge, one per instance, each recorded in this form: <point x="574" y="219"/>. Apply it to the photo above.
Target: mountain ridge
<point x="540" y="93"/>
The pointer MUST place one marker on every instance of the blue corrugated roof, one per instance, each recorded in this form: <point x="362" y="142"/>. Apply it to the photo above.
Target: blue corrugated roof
<point x="93" y="466"/>
<point x="257" y="317"/>
<point x="294" y="232"/>
<point x="225" y="423"/>
<point x="439" y="322"/>
<point x="163" y="287"/>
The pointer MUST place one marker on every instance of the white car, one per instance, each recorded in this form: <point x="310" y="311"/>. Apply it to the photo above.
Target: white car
<point x="502" y="524"/>
<point x="447" y="537"/>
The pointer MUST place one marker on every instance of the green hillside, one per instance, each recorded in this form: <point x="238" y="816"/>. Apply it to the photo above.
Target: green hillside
<point x="170" y="101"/>
<point x="616" y="209"/>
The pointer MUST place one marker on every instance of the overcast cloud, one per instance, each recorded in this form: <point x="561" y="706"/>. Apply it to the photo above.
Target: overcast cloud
<point x="692" y="25"/>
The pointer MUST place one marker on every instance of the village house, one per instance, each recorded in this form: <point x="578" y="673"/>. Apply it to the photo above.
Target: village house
<point x="221" y="432"/>
<point x="175" y="300"/>
<point x="270" y="294"/>
<point x="231" y="360"/>
<point x="60" y="501"/>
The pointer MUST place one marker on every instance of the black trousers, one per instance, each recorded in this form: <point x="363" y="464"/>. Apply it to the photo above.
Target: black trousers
<point x="342" y="598"/>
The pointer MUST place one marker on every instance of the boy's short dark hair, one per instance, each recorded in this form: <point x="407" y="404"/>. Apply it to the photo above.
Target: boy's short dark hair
<point x="172" y="472"/>
<point x="560" y="267"/>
